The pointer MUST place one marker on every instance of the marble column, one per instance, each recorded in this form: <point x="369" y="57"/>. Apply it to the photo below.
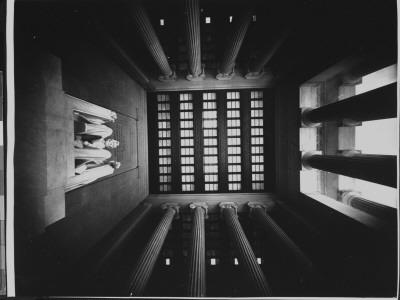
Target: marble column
<point x="368" y="66"/>
<point x="380" y="169"/>
<point x="192" y="24"/>
<point x="140" y="276"/>
<point x="380" y="103"/>
<point x="246" y="256"/>
<point x="256" y="67"/>
<point x="107" y="42"/>
<point x="140" y="214"/>
<point x="226" y="69"/>
<point x="142" y="21"/>
<point x="257" y="211"/>
<point x="196" y="275"/>
<point x="355" y="200"/>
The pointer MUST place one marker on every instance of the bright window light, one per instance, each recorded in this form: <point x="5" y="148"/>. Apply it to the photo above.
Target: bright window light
<point x="213" y="261"/>
<point x="230" y="19"/>
<point x="377" y="137"/>
<point x="254" y="18"/>
<point x="162" y="22"/>
<point x="236" y="261"/>
<point x="208" y="20"/>
<point x="384" y="132"/>
<point x="167" y="262"/>
<point x="259" y="260"/>
<point x="377" y="79"/>
<point x="378" y="193"/>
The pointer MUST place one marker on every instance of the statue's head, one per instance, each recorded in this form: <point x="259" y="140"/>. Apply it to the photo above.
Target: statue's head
<point x="111" y="143"/>
<point x="113" y="116"/>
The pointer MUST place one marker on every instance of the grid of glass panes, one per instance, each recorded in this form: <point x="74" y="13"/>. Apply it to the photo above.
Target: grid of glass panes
<point x="164" y="143"/>
<point x="257" y="140"/>
<point x="234" y="141"/>
<point x="210" y="159"/>
<point x="187" y="142"/>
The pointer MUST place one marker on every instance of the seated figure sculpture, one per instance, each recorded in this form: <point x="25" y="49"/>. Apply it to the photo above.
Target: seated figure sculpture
<point x="90" y="172"/>
<point x="100" y="143"/>
<point x="92" y="119"/>
<point x="91" y="154"/>
<point x="92" y="129"/>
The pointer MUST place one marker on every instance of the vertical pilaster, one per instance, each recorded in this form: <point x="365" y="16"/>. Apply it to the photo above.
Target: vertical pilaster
<point x="226" y="69"/>
<point x="141" y="274"/>
<point x="146" y="31"/>
<point x="196" y="276"/>
<point x="192" y="23"/>
<point x="242" y="246"/>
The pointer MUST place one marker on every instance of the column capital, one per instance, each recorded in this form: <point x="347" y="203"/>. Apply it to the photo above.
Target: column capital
<point x="169" y="78"/>
<point x="349" y="79"/>
<point x="306" y="156"/>
<point x="351" y="123"/>
<point x="200" y="77"/>
<point x="253" y="205"/>
<point x="202" y="205"/>
<point x="349" y="152"/>
<point x="232" y="205"/>
<point x="347" y="196"/>
<point x="254" y="75"/>
<point x="257" y="75"/>
<point x="305" y="121"/>
<point x="227" y="76"/>
<point x="173" y="206"/>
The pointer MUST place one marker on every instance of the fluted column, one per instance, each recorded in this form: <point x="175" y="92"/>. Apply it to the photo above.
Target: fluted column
<point x="141" y="213"/>
<point x="380" y="169"/>
<point x="257" y="210"/>
<point x="226" y="69"/>
<point x="141" y="19"/>
<point x="115" y="49"/>
<point x="192" y="22"/>
<point x="242" y="246"/>
<point x="380" y="103"/>
<point x="355" y="200"/>
<point x="196" y="276"/>
<point x="256" y="67"/>
<point x="141" y="274"/>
